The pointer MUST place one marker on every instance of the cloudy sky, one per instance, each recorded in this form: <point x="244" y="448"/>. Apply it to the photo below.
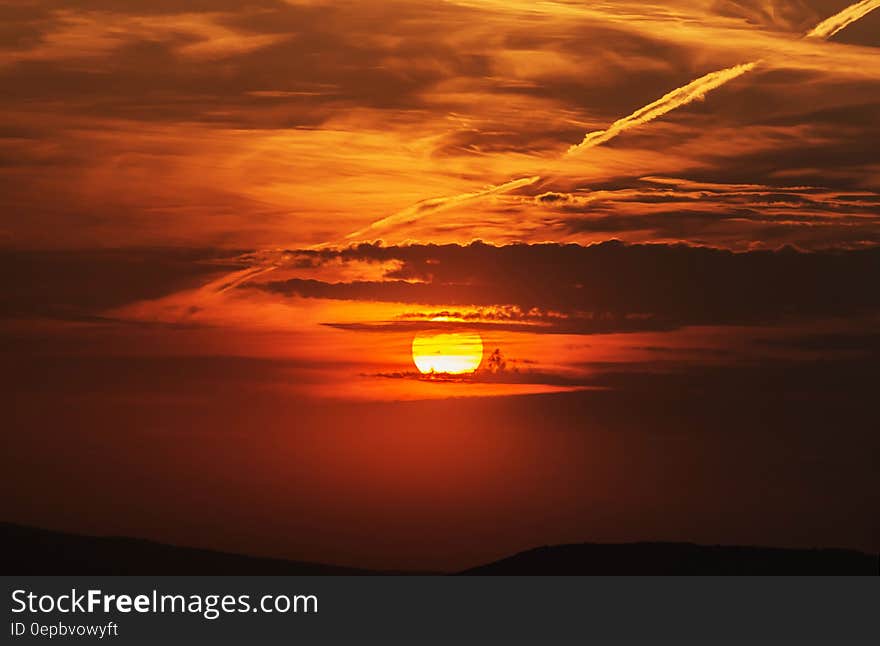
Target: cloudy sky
<point x="223" y="222"/>
<point x="269" y="123"/>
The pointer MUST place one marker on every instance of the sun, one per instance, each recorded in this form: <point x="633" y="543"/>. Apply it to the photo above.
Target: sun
<point x="453" y="353"/>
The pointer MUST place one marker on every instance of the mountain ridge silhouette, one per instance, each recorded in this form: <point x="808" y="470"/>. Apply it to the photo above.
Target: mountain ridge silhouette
<point x="29" y="551"/>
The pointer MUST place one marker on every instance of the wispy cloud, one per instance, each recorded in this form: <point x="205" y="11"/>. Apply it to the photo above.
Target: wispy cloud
<point x="827" y="28"/>
<point x="682" y="96"/>
<point x="81" y="35"/>
<point x="679" y="97"/>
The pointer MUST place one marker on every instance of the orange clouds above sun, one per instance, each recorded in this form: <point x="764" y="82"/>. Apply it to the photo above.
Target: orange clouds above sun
<point x="298" y="123"/>
<point x="274" y="143"/>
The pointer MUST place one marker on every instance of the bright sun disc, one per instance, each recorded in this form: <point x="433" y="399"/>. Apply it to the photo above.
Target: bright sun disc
<point x="453" y="353"/>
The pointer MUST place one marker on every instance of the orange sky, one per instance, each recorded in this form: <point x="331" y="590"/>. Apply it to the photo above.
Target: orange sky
<point x="250" y="131"/>
<point x="267" y="201"/>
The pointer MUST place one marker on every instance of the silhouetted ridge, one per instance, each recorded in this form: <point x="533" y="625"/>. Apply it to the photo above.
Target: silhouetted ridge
<point x="679" y="559"/>
<point x="32" y="551"/>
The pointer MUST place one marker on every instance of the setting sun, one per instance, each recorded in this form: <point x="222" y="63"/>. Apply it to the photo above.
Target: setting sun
<point x="453" y="353"/>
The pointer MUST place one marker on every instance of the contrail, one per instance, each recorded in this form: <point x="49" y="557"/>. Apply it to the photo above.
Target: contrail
<point x="693" y="91"/>
<point x="436" y="204"/>
<point x="682" y="96"/>
<point x="827" y="28"/>
<point x="677" y="98"/>
<point x="699" y="88"/>
<point x="236" y="278"/>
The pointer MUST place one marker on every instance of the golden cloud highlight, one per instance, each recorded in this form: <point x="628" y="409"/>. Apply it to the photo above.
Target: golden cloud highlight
<point x="827" y="28"/>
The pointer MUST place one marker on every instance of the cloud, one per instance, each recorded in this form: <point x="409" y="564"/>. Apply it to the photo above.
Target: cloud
<point x="143" y="123"/>
<point x="509" y="376"/>
<point x="788" y="15"/>
<point x="586" y="324"/>
<point x="611" y="286"/>
<point x="79" y="35"/>
<point x="682" y="96"/>
<point x="76" y="284"/>
<point x="827" y="28"/>
<point x="721" y="214"/>
<point x="695" y="90"/>
<point x="852" y="342"/>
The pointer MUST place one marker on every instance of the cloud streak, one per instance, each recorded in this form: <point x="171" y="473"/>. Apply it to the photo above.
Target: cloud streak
<point x="679" y="97"/>
<point x="682" y="96"/>
<point x="836" y="23"/>
<point x="562" y="288"/>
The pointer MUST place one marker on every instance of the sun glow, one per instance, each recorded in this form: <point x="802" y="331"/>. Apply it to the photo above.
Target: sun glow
<point x="454" y="353"/>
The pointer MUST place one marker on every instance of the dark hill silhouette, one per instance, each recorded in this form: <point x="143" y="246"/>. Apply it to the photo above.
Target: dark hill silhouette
<point x="32" y="551"/>
<point x="679" y="559"/>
